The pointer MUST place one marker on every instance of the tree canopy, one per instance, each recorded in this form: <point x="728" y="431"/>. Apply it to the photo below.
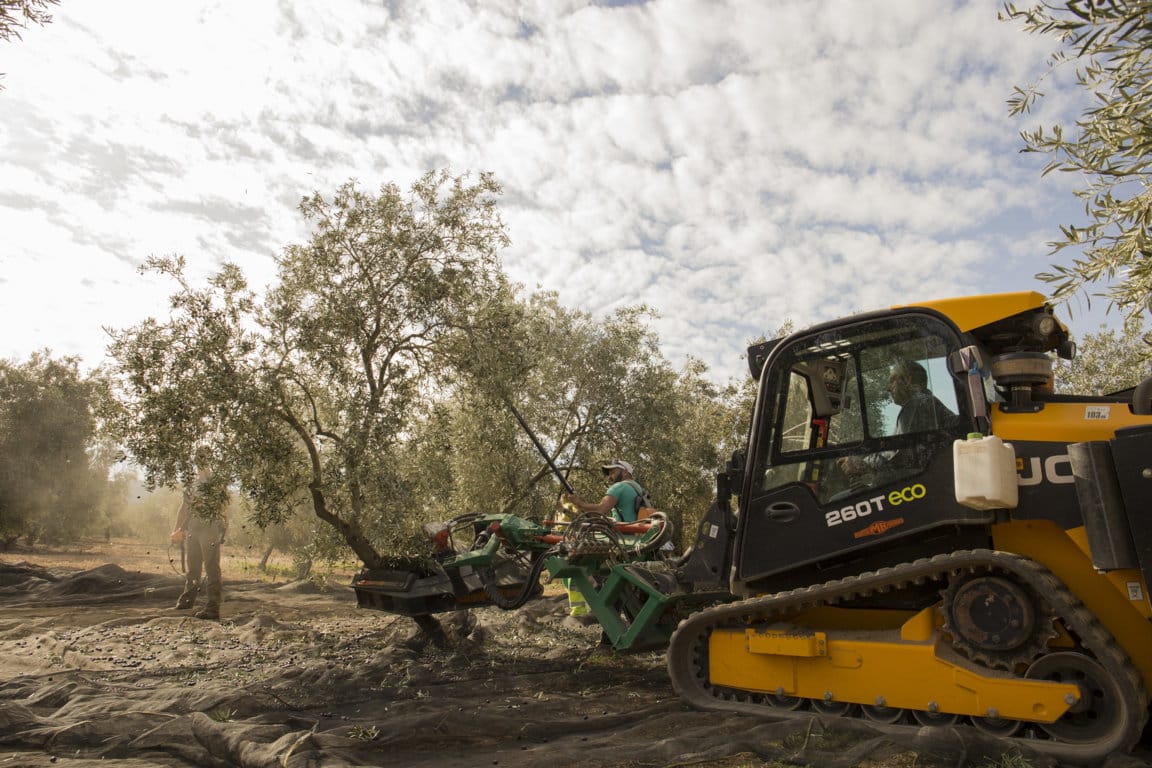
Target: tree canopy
<point x="1109" y="42"/>
<point x="1108" y="361"/>
<point x="312" y="387"/>
<point x="375" y="378"/>
<point x="16" y="15"/>
<point x="591" y="390"/>
<point x="53" y="473"/>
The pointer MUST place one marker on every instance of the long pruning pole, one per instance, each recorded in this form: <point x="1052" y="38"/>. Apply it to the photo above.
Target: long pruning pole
<point x="528" y="430"/>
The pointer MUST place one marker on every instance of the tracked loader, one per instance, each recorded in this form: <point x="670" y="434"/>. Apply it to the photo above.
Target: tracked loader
<point x="927" y="535"/>
<point x="920" y="533"/>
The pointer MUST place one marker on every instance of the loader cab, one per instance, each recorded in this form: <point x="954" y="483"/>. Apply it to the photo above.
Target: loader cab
<point x="850" y="452"/>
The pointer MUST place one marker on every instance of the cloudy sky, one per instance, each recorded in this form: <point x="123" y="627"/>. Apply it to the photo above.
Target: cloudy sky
<point x="732" y="164"/>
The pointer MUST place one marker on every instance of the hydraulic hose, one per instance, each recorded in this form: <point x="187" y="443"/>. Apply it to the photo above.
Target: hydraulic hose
<point x="488" y="575"/>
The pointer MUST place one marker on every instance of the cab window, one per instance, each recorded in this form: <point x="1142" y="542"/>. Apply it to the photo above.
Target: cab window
<point x="842" y="406"/>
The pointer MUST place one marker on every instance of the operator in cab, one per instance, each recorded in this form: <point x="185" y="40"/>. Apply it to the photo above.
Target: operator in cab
<point x="920" y="411"/>
<point x="620" y="500"/>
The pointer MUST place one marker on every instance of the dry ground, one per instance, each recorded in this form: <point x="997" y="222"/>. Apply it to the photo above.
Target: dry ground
<point x="96" y="667"/>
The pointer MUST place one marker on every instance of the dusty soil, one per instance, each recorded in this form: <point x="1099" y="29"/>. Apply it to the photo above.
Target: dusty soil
<point x="96" y="666"/>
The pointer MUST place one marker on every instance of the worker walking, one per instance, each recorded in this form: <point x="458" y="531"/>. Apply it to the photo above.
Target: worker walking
<point x="201" y="524"/>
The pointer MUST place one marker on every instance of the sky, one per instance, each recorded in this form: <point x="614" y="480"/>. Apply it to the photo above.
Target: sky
<point x="732" y="164"/>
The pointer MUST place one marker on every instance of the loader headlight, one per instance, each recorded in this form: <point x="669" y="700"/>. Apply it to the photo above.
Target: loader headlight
<point x="1046" y="325"/>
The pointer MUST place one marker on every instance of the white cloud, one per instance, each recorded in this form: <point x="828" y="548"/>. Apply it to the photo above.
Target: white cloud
<point x="732" y="164"/>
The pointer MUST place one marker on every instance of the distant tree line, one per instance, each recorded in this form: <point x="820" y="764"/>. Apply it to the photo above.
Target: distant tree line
<point x="54" y="466"/>
<point x="1108" y="361"/>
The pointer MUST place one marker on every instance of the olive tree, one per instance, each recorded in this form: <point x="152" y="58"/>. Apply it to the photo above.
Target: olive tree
<point x="315" y="386"/>
<point x="1110" y="360"/>
<point x="590" y="389"/>
<point x="53" y="473"/>
<point x="579" y="382"/>
<point x="16" y="15"/>
<point x="1108" y="43"/>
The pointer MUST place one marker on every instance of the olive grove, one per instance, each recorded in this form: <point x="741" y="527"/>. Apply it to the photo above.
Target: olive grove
<point x="372" y="382"/>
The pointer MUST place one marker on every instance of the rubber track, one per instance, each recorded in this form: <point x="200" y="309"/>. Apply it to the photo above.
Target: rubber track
<point x="688" y="649"/>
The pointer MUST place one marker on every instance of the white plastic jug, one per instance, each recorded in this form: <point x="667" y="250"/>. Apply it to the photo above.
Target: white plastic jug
<point x="985" y="472"/>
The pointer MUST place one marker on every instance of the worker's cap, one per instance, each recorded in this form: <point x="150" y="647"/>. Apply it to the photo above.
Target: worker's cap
<point x="617" y="464"/>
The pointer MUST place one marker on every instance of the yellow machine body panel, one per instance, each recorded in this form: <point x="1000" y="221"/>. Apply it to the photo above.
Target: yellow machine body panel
<point x="969" y="312"/>
<point x="1066" y="422"/>
<point x="877" y="669"/>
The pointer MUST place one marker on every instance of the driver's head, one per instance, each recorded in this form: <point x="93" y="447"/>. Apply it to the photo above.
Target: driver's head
<point x="905" y="378"/>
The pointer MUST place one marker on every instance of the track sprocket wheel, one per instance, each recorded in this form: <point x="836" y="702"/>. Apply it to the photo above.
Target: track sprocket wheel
<point x="995" y="620"/>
